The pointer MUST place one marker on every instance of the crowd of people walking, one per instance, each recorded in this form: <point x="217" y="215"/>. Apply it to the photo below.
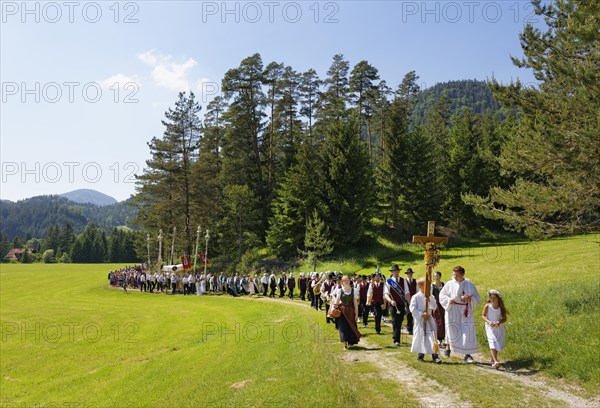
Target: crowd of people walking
<point x="445" y="322"/>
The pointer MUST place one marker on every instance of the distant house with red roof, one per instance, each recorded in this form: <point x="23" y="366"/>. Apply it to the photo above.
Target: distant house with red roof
<point x="15" y="254"/>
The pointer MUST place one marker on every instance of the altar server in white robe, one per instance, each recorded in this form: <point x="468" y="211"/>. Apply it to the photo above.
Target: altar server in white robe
<point x="423" y="343"/>
<point x="459" y="297"/>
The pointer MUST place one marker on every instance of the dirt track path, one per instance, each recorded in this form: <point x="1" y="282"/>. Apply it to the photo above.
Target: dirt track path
<point x="551" y="392"/>
<point x="395" y="369"/>
<point x="413" y="379"/>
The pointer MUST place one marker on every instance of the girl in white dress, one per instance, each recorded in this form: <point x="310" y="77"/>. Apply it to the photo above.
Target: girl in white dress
<point x="494" y="315"/>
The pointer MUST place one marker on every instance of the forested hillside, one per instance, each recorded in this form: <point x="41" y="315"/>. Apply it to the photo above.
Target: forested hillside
<point x="31" y="218"/>
<point x="464" y="93"/>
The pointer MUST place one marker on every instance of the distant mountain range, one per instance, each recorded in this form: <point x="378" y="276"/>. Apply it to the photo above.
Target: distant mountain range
<point x="87" y="196"/>
<point x="31" y="217"/>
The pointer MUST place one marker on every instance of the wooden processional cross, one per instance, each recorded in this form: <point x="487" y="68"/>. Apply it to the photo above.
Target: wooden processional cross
<point x="432" y="258"/>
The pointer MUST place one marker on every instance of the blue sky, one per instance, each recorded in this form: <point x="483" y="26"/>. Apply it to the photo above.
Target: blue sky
<point x="85" y="84"/>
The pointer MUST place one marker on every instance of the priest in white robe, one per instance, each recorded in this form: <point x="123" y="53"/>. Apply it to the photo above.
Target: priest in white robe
<point x="459" y="297"/>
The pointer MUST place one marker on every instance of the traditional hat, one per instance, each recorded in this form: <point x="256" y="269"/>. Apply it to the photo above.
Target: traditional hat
<point x="395" y="268"/>
<point x="409" y="270"/>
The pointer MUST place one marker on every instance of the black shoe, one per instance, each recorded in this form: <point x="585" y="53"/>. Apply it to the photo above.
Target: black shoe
<point x="421" y="358"/>
<point x="447" y="353"/>
<point x="436" y="359"/>
<point x="469" y="359"/>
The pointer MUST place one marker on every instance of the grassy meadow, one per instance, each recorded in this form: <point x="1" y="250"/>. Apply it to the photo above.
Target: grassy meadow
<point x="68" y="338"/>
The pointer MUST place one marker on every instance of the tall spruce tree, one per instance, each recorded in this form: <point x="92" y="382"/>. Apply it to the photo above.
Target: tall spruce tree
<point x="332" y="104"/>
<point x="435" y="134"/>
<point x="297" y="197"/>
<point x="393" y="170"/>
<point x="346" y="183"/>
<point x="317" y="241"/>
<point x="238" y="227"/>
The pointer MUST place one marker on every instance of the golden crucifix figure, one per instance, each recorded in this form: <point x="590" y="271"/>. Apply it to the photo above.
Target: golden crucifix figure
<point x="432" y="258"/>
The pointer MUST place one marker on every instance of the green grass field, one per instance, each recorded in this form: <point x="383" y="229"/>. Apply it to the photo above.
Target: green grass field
<point x="67" y="339"/>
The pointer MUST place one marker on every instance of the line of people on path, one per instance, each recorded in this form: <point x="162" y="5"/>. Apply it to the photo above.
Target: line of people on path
<point x="447" y="324"/>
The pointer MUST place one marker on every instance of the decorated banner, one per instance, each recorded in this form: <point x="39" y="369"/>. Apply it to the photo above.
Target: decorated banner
<point x="203" y="258"/>
<point x="185" y="260"/>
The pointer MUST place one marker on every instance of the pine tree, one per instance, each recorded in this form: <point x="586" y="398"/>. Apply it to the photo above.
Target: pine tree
<point x="309" y="92"/>
<point x="381" y="108"/>
<point x="242" y="160"/>
<point x="164" y="191"/>
<point x="207" y="180"/>
<point x="291" y="128"/>
<point x="364" y="95"/>
<point x="554" y="153"/>
<point x="272" y="78"/>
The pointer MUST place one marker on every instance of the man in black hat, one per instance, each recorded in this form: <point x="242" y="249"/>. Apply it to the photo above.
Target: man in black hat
<point x="395" y="293"/>
<point x="412" y="289"/>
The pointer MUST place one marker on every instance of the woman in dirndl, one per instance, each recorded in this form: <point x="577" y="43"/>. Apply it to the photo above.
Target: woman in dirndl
<point x="346" y="299"/>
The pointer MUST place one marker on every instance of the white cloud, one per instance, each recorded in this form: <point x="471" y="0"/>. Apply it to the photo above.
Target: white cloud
<point x="167" y="73"/>
<point x="119" y="79"/>
<point x="148" y="58"/>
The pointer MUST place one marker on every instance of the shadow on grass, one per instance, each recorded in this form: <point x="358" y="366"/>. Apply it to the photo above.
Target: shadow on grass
<point x="524" y="367"/>
<point x="362" y="348"/>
